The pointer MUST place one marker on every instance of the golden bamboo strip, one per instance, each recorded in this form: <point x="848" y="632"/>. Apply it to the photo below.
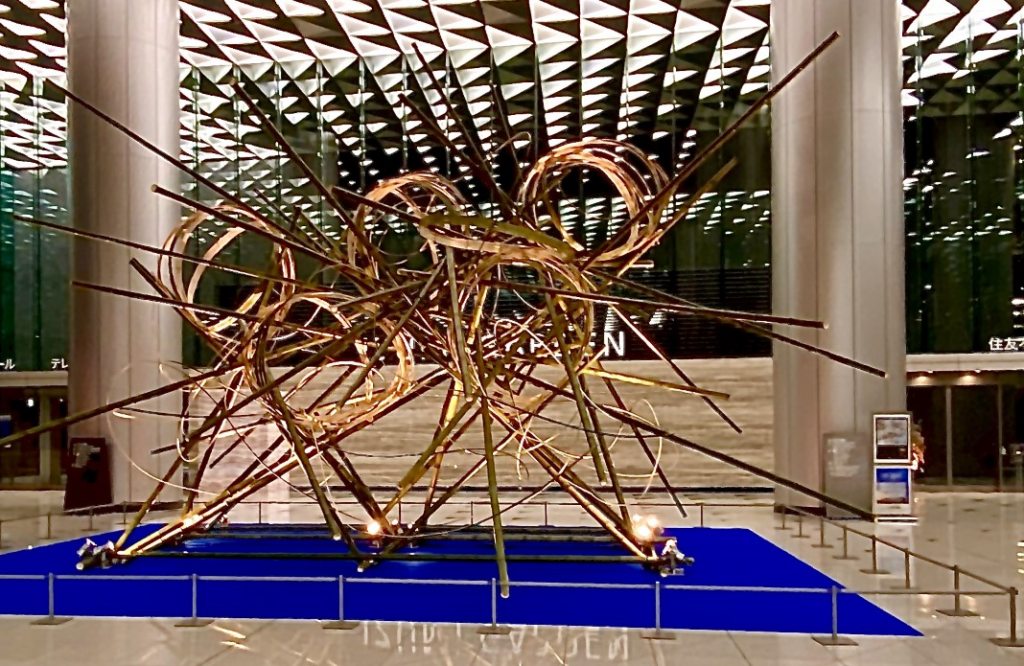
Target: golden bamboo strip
<point x="239" y="491"/>
<point x="719" y="141"/>
<point x="683" y="308"/>
<point x="492" y="474"/>
<point x="577" y="390"/>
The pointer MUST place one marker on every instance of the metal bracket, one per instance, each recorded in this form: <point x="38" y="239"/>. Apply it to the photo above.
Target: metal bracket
<point x="958" y="612"/>
<point x="835" y="641"/>
<point x="1007" y="642"/>
<point x="658" y="635"/>
<point x="51" y="621"/>
<point x="193" y="623"/>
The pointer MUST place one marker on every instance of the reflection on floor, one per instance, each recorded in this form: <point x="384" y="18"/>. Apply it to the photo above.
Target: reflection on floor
<point x="980" y="532"/>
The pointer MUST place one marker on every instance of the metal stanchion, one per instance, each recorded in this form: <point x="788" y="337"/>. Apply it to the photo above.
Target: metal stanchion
<point x="906" y="570"/>
<point x="494" y="628"/>
<point x="546" y="523"/>
<point x="821" y="535"/>
<point x="259" y="512"/>
<point x="835" y="639"/>
<point x="399" y="512"/>
<point x="194" y="621"/>
<point x="1011" y="641"/>
<point x="341" y="623"/>
<point x="957" y="610"/>
<point x="846" y="546"/>
<point x="49" y="525"/>
<point x="124" y="513"/>
<point x="1" y="533"/>
<point x="658" y="633"/>
<point x="799" y="527"/>
<point x="471" y="519"/>
<point x="874" y="570"/>
<point x="702" y="514"/>
<point x="51" y="619"/>
<point x="783" y="525"/>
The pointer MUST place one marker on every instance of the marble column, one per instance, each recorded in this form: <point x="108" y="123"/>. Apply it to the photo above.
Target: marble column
<point x="837" y="226"/>
<point x="123" y="58"/>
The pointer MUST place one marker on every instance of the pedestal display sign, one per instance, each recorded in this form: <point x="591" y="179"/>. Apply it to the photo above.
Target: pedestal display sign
<point x="892" y="439"/>
<point x="893" y="492"/>
<point x="89" y="483"/>
<point x="848" y="467"/>
<point x="894" y="476"/>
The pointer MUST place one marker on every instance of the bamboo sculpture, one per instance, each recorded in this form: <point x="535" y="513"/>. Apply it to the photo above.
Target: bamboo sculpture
<point x="377" y="310"/>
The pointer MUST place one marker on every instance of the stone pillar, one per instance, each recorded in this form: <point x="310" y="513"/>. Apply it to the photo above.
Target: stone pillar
<point x="837" y="226"/>
<point x="123" y="58"/>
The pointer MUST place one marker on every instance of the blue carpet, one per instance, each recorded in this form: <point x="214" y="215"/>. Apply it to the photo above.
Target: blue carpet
<point x="734" y="557"/>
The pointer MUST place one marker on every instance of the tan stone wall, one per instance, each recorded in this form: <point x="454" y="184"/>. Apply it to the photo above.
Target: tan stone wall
<point x="385" y="450"/>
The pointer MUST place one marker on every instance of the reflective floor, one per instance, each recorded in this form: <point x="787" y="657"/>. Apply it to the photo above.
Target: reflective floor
<point x="979" y="532"/>
<point x="116" y="643"/>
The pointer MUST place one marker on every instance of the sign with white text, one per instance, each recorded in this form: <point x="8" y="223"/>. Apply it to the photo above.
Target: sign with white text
<point x="893" y="491"/>
<point x="1006" y="344"/>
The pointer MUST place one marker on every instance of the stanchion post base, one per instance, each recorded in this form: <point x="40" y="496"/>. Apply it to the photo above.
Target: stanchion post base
<point x="340" y="625"/>
<point x="1007" y="643"/>
<point x="494" y="630"/>
<point x="822" y="545"/>
<point x="953" y="612"/>
<point x="51" y="621"/>
<point x="193" y="623"/>
<point x="876" y="572"/>
<point x="801" y="536"/>
<point x="835" y="641"/>
<point x="658" y="635"/>
<point x="844" y="557"/>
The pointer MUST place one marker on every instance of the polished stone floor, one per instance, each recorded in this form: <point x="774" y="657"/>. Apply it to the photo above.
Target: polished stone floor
<point x="980" y="532"/>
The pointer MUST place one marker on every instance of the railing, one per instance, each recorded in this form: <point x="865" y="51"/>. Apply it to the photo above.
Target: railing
<point x="192" y="588"/>
<point x="908" y="555"/>
<point x="85" y="512"/>
<point x="544" y="505"/>
<point x="802" y="516"/>
<point x="125" y="509"/>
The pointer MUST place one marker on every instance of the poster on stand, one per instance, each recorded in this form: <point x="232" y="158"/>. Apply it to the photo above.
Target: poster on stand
<point x="894" y="493"/>
<point x="848" y="466"/>
<point x="892" y="439"/>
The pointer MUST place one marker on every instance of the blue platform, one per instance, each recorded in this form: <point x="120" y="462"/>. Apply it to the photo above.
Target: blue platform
<point x="414" y="591"/>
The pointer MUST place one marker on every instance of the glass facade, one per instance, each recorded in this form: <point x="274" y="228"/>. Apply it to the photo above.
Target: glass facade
<point x="351" y="95"/>
<point x="964" y="185"/>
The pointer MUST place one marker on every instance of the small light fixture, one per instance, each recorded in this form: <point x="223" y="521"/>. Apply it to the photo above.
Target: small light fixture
<point x="646" y="528"/>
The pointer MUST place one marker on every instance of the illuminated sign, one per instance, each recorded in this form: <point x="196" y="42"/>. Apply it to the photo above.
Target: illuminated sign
<point x="1006" y="344"/>
<point x="894" y="491"/>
